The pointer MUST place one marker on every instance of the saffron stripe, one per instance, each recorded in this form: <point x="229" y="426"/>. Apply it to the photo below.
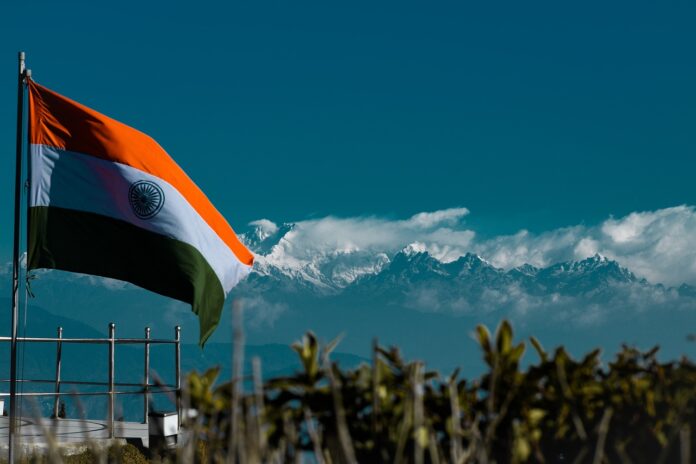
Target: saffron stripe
<point x="62" y="123"/>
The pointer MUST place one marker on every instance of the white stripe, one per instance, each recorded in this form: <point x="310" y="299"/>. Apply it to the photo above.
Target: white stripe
<point x="85" y="183"/>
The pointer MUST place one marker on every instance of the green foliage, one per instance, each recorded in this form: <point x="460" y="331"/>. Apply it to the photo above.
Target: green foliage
<point x="635" y="409"/>
<point x="116" y="454"/>
<point x="202" y="396"/>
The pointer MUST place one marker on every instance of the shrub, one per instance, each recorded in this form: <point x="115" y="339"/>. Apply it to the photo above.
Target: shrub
<point x="635" y="409"/>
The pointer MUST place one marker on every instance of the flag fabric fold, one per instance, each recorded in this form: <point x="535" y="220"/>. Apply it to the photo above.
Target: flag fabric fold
<point x="106" y="199"/>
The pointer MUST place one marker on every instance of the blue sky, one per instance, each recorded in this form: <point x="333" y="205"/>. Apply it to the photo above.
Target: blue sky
<point x="531" y="116"/>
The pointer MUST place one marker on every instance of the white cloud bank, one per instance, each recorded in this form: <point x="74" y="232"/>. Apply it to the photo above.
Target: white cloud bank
<point x="342" y="249"/>
<point x="658" y="245"/>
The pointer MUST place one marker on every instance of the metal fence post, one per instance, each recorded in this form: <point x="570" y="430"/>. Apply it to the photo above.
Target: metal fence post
<point x="112" y="331"/>
<point x="177" y="360"/>
<point x="59" y="355"/>
<point x="147" y="388"/>
<point x="146" y="377"/>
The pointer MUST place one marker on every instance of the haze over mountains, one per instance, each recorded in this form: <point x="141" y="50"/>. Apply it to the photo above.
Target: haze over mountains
<point x="429" y="306"/>
<point x="425" y="295"/>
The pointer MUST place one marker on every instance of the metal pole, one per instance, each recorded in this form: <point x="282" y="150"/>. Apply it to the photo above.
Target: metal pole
<point x="59" y="350"/>
<point x="15" y="261"/>
<point x="177" y="360"/>
<point x="146" y="377"/>
<point x="112" y="331"/>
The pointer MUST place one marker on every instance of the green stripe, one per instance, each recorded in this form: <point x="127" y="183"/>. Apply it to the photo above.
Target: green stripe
<point x="90" y="243"/>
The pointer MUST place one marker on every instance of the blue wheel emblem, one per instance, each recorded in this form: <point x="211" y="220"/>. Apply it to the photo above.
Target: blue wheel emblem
<point x="146" y="198"/>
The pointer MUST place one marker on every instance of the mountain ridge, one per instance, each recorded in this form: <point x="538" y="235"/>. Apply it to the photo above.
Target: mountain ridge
<point x="336" y="270"/>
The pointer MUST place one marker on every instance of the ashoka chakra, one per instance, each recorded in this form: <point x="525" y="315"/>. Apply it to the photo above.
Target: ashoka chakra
<point x="146" y="198"/>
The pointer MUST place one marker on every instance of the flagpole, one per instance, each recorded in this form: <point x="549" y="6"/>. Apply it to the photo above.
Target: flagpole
<point x="15" y="261"/>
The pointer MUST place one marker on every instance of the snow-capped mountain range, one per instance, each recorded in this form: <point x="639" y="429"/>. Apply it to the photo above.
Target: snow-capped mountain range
<point x="373" y="272"/>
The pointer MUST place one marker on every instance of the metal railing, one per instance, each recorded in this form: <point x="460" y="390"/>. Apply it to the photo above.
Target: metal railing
<point x="146" y="387"/>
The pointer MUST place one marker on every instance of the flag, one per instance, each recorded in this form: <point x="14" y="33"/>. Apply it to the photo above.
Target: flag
<point x="106" y="199"/>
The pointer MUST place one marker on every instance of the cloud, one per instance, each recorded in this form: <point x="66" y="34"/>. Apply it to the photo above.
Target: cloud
<point x="260" y="312"/>
<point x="658" y="245"/>
<point x="514" y="302"/>
<point x="432" y="219"/>
<point x="509" y="251"/>
<point x="312" y="243"/>
<point x="264" y="228"/>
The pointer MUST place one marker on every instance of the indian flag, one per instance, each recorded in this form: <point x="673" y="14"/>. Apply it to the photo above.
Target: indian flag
<point x="106" y="199"/>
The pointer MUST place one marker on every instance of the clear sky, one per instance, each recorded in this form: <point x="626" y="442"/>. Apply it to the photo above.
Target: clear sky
<point x="532" y="115"/>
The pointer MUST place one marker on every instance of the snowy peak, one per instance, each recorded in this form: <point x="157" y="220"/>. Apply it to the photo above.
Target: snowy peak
<point x="592" y="275"/>
<point x="470" y="264"/>
<point x="264" y="235"/>
<point x="526" y="270"/>
<point x="346" y="268"/>
<point x="414" y="249"/>
<point x="411" y="261"/>
<point x="596" y="266"/>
